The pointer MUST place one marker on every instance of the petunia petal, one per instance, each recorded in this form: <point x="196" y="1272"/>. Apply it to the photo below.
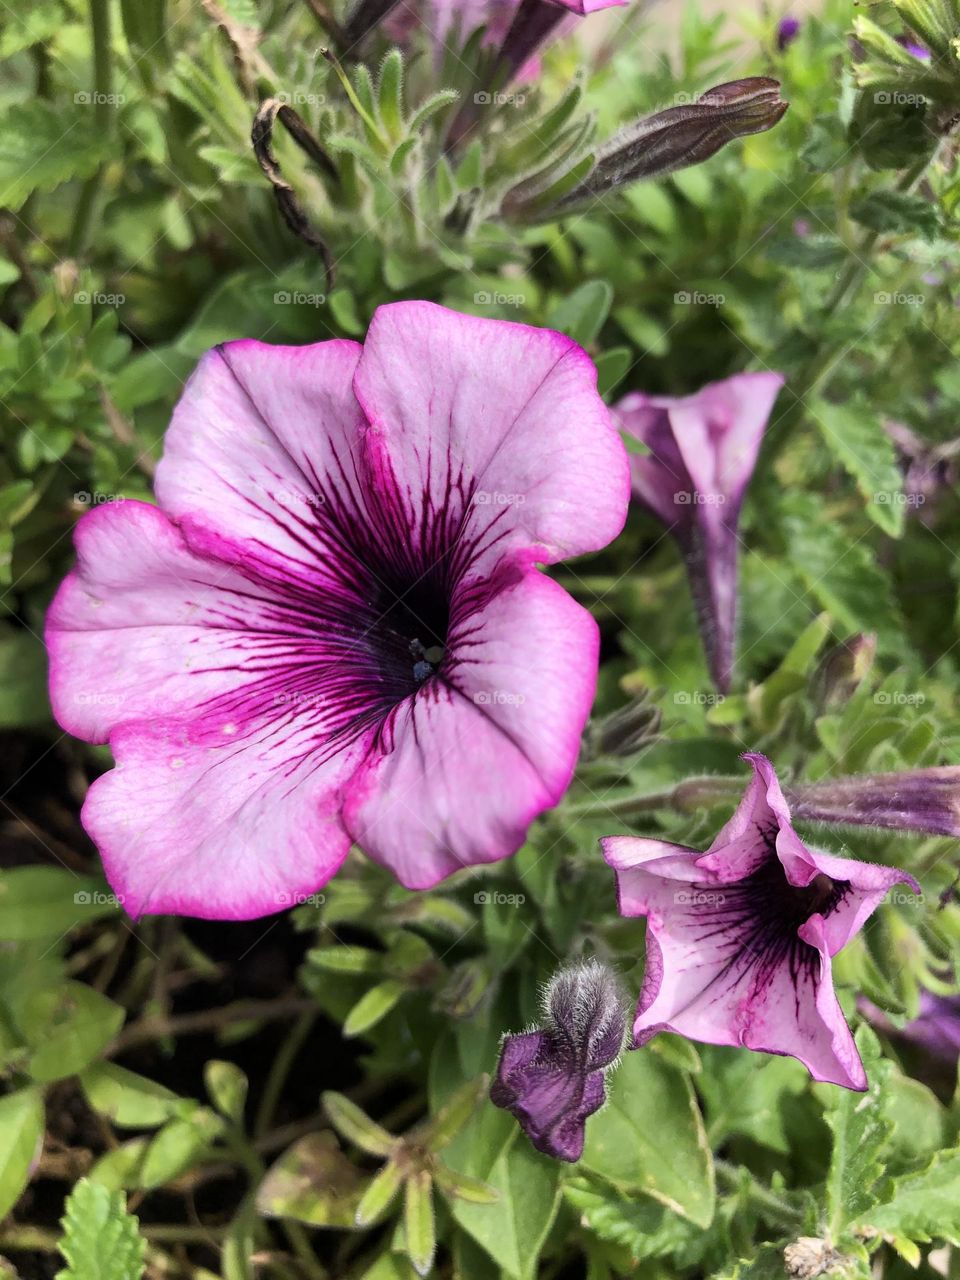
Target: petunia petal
<point x="263" y="457"/>
<point x="191" y="823"/>
<point x="500" y="423"/>
<point x="519" y="696"/>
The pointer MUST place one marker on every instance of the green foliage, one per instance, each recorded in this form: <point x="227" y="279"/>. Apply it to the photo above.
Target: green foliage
<point x="100" y="1238"/>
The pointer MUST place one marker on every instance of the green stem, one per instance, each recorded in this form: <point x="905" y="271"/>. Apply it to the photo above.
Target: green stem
<point x="686" y="797"/>
<point x="103" y="113"/>
<point x="773" y="1208"/>
<point x="280" y="1069"/>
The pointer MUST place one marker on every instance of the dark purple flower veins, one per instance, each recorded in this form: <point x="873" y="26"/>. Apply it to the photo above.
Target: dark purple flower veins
<point x="376" y="604"/>
<point x="756" y="920"/>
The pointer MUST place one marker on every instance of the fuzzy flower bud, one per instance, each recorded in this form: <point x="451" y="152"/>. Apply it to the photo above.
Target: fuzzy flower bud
<point x="552" y="1079"/>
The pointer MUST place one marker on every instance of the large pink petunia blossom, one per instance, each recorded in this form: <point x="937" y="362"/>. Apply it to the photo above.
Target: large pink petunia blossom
<point x="333" y="627"/>
<point x="740" y="938"/>
<point x="703" y="449"/>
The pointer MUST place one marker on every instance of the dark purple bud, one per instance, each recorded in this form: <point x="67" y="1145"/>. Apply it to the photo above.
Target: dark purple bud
<point x="787" y="32"/>
<point x="926" y="800"/>
<point x="551" y="1080"/>
<point x="683" y="135"/>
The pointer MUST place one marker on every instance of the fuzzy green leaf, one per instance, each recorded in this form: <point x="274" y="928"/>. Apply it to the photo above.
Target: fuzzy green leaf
<point x="42" y="146"/>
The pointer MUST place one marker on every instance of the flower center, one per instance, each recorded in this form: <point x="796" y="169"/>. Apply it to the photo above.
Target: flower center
<point x="409" y="633"/>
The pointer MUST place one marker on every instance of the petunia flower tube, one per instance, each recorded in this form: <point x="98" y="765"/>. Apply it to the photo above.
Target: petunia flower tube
<point x="740" y="938"/>
<point x="702" y="451"/>
<point x="553" y="1079"/>
<point x="333" y="627"/>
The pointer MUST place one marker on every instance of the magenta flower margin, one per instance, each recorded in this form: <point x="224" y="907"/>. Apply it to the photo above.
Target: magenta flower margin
<point x="333" y="628"/>
<point x="740" y="938"/>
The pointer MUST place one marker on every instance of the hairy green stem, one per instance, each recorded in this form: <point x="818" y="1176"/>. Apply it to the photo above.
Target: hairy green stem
<point x="103" y="114"/>
<point x="773" y="1208"/>
<point x="685" y="797"/>
<point x="280" y="1069"/>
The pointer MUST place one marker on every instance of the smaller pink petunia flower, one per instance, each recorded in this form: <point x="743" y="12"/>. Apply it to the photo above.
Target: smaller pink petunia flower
<point x="740" y="939"/>
<point x="703" y="449"/>
<point x="334" y="628"/>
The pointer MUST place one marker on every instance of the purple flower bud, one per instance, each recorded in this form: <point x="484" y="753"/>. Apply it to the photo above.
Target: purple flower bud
<point x="912" y="47"/>
<point x="787" y="32"/>
<point x="936" y="1029"/>
<point x="552" y="1079"/>
<point x="926" y="800"/>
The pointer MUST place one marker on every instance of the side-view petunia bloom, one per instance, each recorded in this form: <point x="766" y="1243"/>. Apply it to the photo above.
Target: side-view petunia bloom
<point x="740" y="938"/>
<point x="552" y="1079"/>
<point x="702" y="452"/>
<point x="333" y="628"/>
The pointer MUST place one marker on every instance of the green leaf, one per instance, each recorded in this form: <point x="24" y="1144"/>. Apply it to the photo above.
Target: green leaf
<point x="67" y="1028"/>
<point x="455" y="1113"/>
<point x="21" y="1124"/>
<point x="390" y="93"/>
<point x="612" y="368"/>
<point x="854" y="434"/>
<point x="312" y="1182"/>
<point x="355" y="1125"/>
<point x="346" y="959"/>
<point x="922" y="1206"/>
<point x="23" y="681"/>
<point x="42" y="145"/>
<point x="860" y="1128"/>
<point x="29" y="25"/>
<point x="45" y="902"/>
<point x="177" y="1145"/>
<point x="372" y="1007"/>
<point x="127" y="1099"/>
<point x="743" y="1095"/>
<point x="101" y="1240"/>
<point x="650" y="1138"/>
<point x="581" y="315"/>
<point x="380" y="1194"/>
<point x="897" y="212"/>
<point x="227" y="1086"/>
<point x="462" y="1187"/>
<point x="419" y="1226"/>
<point x="512" y="1230"/>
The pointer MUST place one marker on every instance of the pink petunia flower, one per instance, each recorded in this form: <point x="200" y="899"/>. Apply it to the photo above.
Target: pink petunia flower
<point x="333" y="627"/>
<point x="703" y="449"/>
<point x="740" y="938"/>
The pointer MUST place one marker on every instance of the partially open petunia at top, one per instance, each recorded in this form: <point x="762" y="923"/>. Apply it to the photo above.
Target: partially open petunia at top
<point x="740" y="938"/>
<point x="333" y="627"/>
